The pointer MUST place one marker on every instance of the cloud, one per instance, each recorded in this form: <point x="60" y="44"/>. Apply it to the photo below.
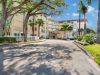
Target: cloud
<point x="74" y="4"/>
<point x="91" y="9"/>
<point x="75" y="14"/>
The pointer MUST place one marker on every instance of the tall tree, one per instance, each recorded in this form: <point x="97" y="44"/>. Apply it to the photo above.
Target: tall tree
<point x="70" y="28"/>
<point x="32" y="23"/>
<point x="81" y="31"/>
<point x="40" y="23"/>
<point x="79" y="11"/>
<point x="47" y="7"/>
<point x="64" y="27"/>
<point x="83" y="10"/>
<point x="98" y="25"/>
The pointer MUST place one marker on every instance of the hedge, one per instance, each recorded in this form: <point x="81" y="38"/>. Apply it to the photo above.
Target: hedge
<point x="7" y="39"/>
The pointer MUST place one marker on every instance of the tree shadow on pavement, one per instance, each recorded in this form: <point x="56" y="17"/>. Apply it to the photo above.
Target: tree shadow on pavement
<point x="2" y="72"/>
<point x="32" y="59"/>
<point x="45" y="70"/>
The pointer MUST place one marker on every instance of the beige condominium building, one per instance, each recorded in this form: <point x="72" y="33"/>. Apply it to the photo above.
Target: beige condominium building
<point x="15" y="28"/>
<point x="54" y="27"/>
<point x="50" y="28"/>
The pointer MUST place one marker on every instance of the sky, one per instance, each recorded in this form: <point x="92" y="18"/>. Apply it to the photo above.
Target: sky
<point x="71" y="13"/>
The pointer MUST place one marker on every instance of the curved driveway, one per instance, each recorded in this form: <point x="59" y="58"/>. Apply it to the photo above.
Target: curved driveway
<point x="51" y="57"/>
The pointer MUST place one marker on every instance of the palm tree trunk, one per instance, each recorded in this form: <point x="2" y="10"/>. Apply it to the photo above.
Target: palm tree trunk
<point x="38" y="31"/>
<point x="33" y="26"/>
<point x="33" y="30"/>
<point x="65" y="32"/>
<point x="84" y="24"/>
<point x="79" y="23"/>
<point x="98" y="26"/>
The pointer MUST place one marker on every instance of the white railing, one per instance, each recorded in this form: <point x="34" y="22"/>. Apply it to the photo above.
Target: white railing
<point x="20" y="38"/>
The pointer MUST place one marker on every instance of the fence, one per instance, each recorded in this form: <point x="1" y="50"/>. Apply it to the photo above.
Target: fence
<point x="20" y="38"/>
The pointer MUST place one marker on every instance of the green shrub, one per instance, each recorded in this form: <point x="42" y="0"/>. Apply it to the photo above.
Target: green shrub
<point x="89" y="38"/>
<point x="79" y="38"/>
<point x="7" y="39"/>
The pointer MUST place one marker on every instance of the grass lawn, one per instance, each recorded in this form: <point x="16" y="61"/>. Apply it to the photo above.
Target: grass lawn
<point x="95" y="51"/>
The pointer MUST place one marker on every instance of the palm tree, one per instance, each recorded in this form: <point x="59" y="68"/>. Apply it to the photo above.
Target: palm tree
<point x="83" y="10"/>
<point x="81" y="31"/>
<point x="98" y="25"/>
<point x="79" y="11"/>
<point x="70" y="28"/>
<point x="79" y="23"/>
<point x="40" y="23"/>
<point x="64" y="27"/>
<point x="32" y="23"/>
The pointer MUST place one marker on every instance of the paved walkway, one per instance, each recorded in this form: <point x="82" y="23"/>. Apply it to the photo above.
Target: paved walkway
<point x="51" y="57"/>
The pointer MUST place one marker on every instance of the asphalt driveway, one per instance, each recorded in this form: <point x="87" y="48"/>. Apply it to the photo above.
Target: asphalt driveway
<point x="51" y="57"/>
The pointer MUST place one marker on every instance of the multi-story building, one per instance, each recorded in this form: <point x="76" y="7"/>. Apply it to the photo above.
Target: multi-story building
<point x="16" y="26"/>
<point x="50" y="29"/>
<point x="54" y="28"/>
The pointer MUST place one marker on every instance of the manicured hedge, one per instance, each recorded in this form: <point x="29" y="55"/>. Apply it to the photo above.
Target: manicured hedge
<point x="7" y="39"/>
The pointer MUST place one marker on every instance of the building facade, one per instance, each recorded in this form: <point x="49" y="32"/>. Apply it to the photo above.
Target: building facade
<point x="50" y="28"/>
<point x="54" y="28"/>
<point x="15" y="28"/>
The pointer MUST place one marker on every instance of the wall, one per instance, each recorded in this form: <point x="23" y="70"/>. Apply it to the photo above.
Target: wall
<point x="17" y="25"/>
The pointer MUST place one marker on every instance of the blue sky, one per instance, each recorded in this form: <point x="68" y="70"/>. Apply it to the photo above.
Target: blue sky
<point x="71" y="13"/>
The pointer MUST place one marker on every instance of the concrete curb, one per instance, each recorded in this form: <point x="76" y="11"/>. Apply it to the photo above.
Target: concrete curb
<point x="83" y="49"/>
<point x="91" y="60"/>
